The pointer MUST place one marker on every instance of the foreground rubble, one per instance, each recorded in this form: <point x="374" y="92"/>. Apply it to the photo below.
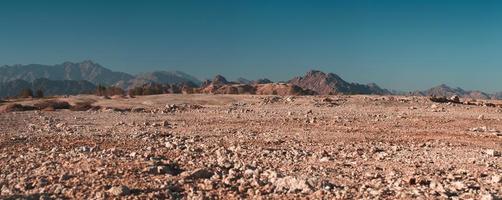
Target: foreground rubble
<point x="231" y="147"/>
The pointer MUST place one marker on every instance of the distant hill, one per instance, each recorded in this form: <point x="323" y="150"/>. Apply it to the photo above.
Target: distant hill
<point x="447" y="91"/>
<point x="86" y="70"/>
<point x="49" y="87"/>
<point x="72" y="78"/>
<point x="330" y="83"/>
<point x="64" y="87"/>
<point x="160" y="77"/>
<point x="13" y="88"/>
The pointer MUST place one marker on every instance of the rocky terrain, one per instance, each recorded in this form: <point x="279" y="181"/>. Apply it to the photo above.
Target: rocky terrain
<point x="255" y="147"/>
<point x="220" y="85"/>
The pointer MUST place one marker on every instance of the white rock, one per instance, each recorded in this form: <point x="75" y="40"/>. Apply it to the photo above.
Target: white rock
<point x="324" y="159"/>
<point x="496" y="179"/>
<point x="119" y="190"/>
<point x="292" y="185"/>
<point x="170" y="145"/>
<point x="493" y="152"/>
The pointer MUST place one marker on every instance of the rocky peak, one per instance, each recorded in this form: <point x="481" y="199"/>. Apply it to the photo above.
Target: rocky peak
<point x="219" y="80"/>
<point x="330" y="83"/>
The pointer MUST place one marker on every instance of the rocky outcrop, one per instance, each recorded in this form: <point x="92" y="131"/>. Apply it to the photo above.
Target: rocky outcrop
<point x="220" y="85"/>
<point x="330" y="83"/>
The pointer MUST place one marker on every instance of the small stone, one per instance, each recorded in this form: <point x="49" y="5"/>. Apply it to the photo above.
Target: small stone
<point x="412" y="181"/>
<point x="170" y="145"/>
<point x="166" y="124"/>
<point x="5" y="191"/>
<point x="201" y="173"/>
<point x="312" y="120"/>
<point x="119" y="191"/>
<point x="292" y="185"/>
<point x="493" y="152"/>
<point x="324" y="159"/>
<point x="487" y="197"/>
<point x="42" y="182"/>
<point x="481" y="117"/>
<point x="64" y="177"/>
<point x="479" y="129"/>
<point x="85" y="149"/>
<point x="458" y="185"/>
<point x="496" y="179"/>
<point x="455" y="99"/>
<point x="248" y="173"/>
<point x="60" y="125"/>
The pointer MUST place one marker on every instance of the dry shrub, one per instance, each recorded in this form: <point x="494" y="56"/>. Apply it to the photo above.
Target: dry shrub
<point x="52" y="105"/>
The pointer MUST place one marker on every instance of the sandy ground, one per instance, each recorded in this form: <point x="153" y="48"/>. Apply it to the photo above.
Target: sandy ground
<point x="241" y="146"/>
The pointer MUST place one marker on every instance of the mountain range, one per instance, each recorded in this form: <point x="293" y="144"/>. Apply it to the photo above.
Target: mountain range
<point x="49" y="87"/>
<point x="86" y="70"/>
<point x="444" y="90"/>
<point x="83" y="77"/>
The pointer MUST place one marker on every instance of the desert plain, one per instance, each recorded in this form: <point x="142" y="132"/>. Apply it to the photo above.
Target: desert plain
<point x="198" y="146"/>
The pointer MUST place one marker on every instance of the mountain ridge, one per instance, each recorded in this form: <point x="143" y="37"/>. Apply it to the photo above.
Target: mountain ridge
<point x="446" y="91"/>
<point x="17" y="76"/>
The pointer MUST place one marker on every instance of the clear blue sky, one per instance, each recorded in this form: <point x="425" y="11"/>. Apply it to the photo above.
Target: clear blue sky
<point x="402" y="44"/>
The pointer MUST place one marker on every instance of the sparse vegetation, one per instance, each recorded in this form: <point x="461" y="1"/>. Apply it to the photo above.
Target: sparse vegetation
<point x="109" y="91"/>
<point x="39" y="94"/>
<point x="153" y="89"/>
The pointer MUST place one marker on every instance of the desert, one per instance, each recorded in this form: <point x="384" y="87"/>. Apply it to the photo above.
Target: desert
<point x="205" y="146"/>
<point x="265" y="100"/>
